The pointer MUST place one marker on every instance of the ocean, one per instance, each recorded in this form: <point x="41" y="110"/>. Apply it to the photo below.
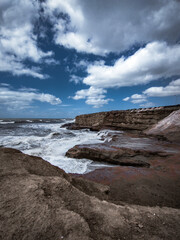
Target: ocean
<point x="45" y="138"/>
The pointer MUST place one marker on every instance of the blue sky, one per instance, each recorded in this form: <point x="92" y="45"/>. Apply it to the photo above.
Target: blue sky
<point x="64" y="58"/>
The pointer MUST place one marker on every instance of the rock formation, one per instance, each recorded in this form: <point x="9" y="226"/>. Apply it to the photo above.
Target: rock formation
<point x="110" y="154"/>
<point x="168" y="128"/>
<point x="135" y="119"/>
<point x="148" y="173"/>
<point x="40" y="201"/>
<point x="138" y="200"/>
<point x="122" y="149"/>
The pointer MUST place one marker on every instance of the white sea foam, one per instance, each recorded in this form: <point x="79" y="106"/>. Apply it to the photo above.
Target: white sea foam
<point x="29" y="121"/>
<point x="53" y="146"/>
<point x="1" y="122"/>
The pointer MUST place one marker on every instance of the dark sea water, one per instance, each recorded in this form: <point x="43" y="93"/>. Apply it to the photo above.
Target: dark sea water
<point x="45" y="138"/>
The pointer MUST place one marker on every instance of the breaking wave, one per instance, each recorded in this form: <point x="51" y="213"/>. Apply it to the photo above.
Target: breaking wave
<point x="45" y="138"/>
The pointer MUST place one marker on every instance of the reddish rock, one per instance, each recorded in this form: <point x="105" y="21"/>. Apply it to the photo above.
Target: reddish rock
<point x="158" y="185"/>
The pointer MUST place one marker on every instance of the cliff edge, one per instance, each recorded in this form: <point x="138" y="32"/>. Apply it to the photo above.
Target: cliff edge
<point x="134" y="119"/>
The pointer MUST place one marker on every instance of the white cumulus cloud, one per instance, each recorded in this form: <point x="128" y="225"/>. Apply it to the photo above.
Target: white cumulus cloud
<point x="172" y="89"/>
<point x="154" y="61"/>
<point x="136" y="98"/>
<point x="93" y="96"/>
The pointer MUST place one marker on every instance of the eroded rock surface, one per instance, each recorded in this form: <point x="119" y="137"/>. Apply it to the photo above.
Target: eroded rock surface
<point x="113" y="155"/>
<point x="158" y="185"/>
<point x="135" y="119"/>
<point x="122" y="149"/>
<point x="149" y="173"/>
<point x="40" y="201"/>
<point x="168" y="128"/>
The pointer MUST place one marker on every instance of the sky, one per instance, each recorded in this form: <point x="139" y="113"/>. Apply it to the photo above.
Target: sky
<point x="62" y="58"/>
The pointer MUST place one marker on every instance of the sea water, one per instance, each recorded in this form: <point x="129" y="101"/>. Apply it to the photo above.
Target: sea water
<point x="45" y="138"/>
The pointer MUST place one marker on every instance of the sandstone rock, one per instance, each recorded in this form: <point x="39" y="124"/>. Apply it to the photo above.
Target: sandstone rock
<point x="157" y="185"/>
<point x="122" y="149"/>
<point x="168" y="128"/>
<point x="103" y="153"/>
<point x="39" y="201"/>
<point x="135" y="119"/>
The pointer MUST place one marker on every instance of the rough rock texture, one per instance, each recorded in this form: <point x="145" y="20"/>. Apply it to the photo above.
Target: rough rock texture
<point x="121" y="149"/>
<point x="110" y="154"/>
<point x="158" y="185"/>
<point x="39" y="201"/>
<point x="133" y="182"/>
<point x="169" y="127"/>
<point x="136" y="119"/>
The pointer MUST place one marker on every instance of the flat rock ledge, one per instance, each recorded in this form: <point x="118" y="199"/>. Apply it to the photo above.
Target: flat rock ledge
<point x="122" y="149"/>
<point x="146" y="171"/>
<point x="40" y="201"/>
<point x="112" y="155"/>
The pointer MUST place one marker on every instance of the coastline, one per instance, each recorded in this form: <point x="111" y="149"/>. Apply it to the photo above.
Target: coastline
<point x="139" y="199"/>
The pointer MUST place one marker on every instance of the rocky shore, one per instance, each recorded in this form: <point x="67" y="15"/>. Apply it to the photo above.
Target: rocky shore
<point x="124" y="149"/>
<point x="149" y="167"/>
<point x="40" y="201"/>
<point x="133" y="119"/>
<point x="147" y="175"/>
<point x="138" y="197"/>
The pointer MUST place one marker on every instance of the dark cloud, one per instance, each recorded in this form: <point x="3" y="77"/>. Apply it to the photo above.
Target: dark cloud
<point x="103" y="26"/>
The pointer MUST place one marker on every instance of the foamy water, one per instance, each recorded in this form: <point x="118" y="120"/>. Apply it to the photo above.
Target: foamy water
<point x="48" y="140"/>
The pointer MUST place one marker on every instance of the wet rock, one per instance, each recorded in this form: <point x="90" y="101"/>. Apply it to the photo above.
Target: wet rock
<point x="158" y="185"/>
<point x="133" y="181"/>
<point x="74" y="126"/>
<point x="56" y="135"/>
<point x="122" y="149"/>
<point x="40" y="201"/>
<point x="70" y="126"/>
<point x="64" y="134"/>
